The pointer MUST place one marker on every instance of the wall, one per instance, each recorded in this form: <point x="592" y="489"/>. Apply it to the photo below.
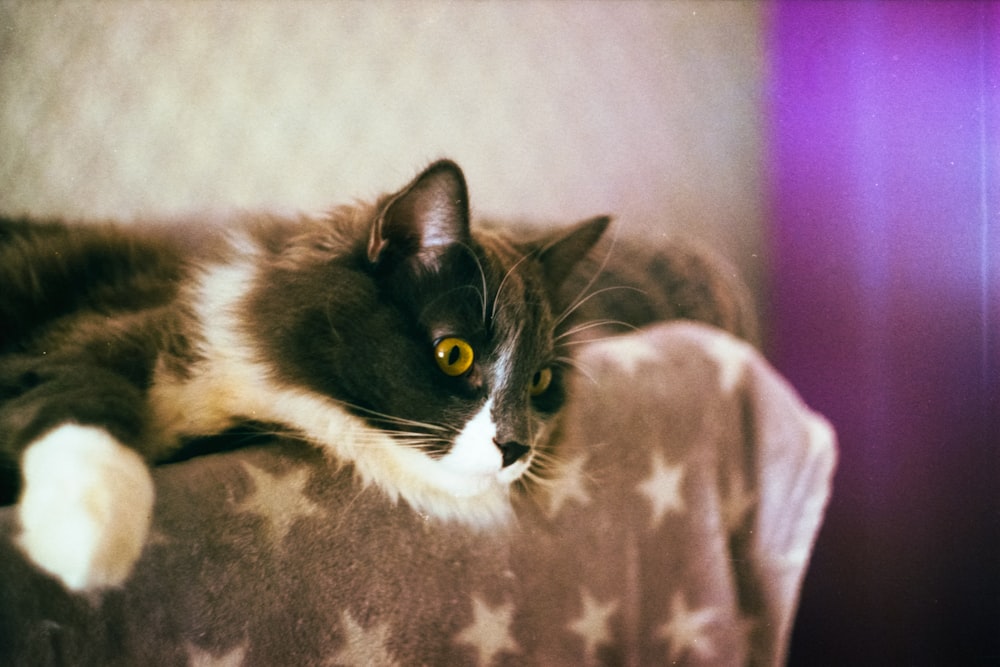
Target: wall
<point x="557" y="110"/>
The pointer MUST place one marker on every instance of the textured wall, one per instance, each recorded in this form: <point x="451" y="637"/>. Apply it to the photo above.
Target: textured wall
<point x="556" y="110"/>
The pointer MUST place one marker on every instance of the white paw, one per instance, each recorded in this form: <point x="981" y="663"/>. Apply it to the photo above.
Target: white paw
<point x="86" y="506"/>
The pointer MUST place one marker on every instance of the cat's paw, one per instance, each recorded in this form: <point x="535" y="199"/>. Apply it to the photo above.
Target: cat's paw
<point x="86" y="506"/>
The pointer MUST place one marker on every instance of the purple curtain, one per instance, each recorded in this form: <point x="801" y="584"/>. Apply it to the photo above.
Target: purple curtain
<point x="884" y="173"/>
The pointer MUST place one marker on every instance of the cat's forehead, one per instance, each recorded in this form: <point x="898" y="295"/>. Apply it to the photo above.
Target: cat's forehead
<point x="519" y="310"/>
<point x="492" y="292"/>
<point x="512" y="270"/>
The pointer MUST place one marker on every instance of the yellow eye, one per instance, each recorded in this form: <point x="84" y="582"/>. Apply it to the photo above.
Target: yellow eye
<point x="454" y="356"/>
<point x="540" y="382"/>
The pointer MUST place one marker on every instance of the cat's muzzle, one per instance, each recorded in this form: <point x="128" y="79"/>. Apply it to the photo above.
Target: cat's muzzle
<point x="511" y="451"/>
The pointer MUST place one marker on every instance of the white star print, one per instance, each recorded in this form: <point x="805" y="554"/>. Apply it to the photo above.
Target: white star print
<point x="731" y="356"/>
<point x="489" y="633"/>
<point x="570" y="485"/>
<point x="280" y="500"/>
<point x="363" y="647"/>
<point x="663" y="488"/>
<point x="201" y="658"/>
<point x="592" y="624"/>
<point x="687" y="629"/>
<point x="628" y="354"/>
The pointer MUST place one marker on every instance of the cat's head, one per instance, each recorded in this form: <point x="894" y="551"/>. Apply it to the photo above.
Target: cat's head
<point x="445" y="337"/>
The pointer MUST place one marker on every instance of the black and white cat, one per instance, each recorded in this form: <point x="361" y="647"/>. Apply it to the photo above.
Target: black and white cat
<point x="422" y="353"/>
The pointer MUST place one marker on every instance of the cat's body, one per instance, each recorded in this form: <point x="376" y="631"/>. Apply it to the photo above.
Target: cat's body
<point x="428" y="357"/>
<point x="390" y="335"/>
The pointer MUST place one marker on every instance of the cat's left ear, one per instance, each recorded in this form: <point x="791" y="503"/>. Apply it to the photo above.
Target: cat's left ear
<point x="560" y="255"/>
<point x="423" y="219"/>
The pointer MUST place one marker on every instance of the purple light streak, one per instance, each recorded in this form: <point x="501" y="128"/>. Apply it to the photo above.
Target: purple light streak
<point x="884" y="171"/>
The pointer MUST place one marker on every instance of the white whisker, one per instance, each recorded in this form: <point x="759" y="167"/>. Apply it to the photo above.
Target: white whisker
<point x="482" y="275"/>
<point x="573" y="343"/>
<point x="452" y="291"/>
<point x="592" y="324"/>
<point x="503" y="282"/>
<point x="399" y="421"/>
<point x="569" y="311"/>
<point x="419" y="441"/>
<point x="578" y="367"/>
<point x="579" y="298"/>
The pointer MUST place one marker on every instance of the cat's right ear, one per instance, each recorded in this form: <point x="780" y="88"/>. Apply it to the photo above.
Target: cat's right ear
<point x="560" y="254"/>
<point x="422" y="220"/>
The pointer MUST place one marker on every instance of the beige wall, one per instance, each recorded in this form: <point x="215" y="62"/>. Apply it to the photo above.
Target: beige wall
<point x="556" y="110"/>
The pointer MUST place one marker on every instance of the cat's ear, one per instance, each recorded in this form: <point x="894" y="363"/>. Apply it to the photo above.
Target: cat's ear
<point x="560" y="255"/>
<point x="423" y="219"/>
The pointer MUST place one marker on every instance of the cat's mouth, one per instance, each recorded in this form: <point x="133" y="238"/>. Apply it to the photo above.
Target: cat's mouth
<point x="479" y="462"/>
<point x="465" y="482"/>
<point x="480" y="465"/>
<point x="513" y="472"/>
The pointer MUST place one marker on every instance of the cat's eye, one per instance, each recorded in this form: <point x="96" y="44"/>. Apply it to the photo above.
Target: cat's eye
<point x="454" y="356"/>
<point x="540" y="382"/>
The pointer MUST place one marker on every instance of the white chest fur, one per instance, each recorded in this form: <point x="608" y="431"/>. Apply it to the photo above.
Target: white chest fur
<point x="233" y="382"/>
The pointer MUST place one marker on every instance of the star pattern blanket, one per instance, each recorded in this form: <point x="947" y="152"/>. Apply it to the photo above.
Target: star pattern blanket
<point x="693" y="483"/>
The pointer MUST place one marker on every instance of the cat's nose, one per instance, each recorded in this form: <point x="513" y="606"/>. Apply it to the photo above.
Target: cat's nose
<point x="511" y="451"/>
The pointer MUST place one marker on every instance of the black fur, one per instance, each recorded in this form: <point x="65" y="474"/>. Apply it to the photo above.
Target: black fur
<point x="85" y="314"/>
<point x="349" y="306"/>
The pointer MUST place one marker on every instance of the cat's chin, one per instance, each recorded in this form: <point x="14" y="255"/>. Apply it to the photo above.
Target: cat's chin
<point x="470" y="483"/>
<point x="437" y="489"/>
<point x="465" y="485"/>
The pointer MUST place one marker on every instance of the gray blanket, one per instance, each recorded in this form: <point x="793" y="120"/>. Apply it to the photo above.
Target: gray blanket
<point x="691" y="484"/>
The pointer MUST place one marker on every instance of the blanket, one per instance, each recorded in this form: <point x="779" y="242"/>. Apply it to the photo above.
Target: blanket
<point x="689" y="483"/>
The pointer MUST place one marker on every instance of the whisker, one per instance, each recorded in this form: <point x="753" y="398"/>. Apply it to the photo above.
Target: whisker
<point x="573" y="343"/>
<point x="414" y="441"/>
<point x="547" y="460"/>
<point x="578" y="367"/>
<point x="543" y="473"/>
<point x="350" y="503"/>
<point x="400" y="421"/>
<point x="482" y="275"/>
<point x="423" y="445"/>
<point x="503" y="282"/>
<point x="592" y="324"/>
<point x="578" y="299"/>
<point x="531" y="484"/>
<point x="573" y="308"/>
<point x="399" y="435"/>
<point x="451" y="291"/>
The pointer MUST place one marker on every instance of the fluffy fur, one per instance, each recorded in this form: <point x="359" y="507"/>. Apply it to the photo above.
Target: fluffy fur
<point x="146" y="340"/>
<point x="87" y="514"/>
<point x="123" y="347"/>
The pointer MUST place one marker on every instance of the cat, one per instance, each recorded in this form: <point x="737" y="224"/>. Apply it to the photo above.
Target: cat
<point x="429" y="355"/>
<point x="420" y="352"/>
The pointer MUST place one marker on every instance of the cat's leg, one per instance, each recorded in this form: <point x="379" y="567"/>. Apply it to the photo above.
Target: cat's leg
<point x="86" y="497"/>
<point x="86" y="506"/>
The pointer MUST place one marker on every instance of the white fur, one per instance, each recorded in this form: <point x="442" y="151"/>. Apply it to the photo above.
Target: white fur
<point x="475" y="463"/>
<point x="471" y="487"/>
<point x="505" y="361"/>
<point x="474" y="454"/>
<point x="86" y="506"/>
